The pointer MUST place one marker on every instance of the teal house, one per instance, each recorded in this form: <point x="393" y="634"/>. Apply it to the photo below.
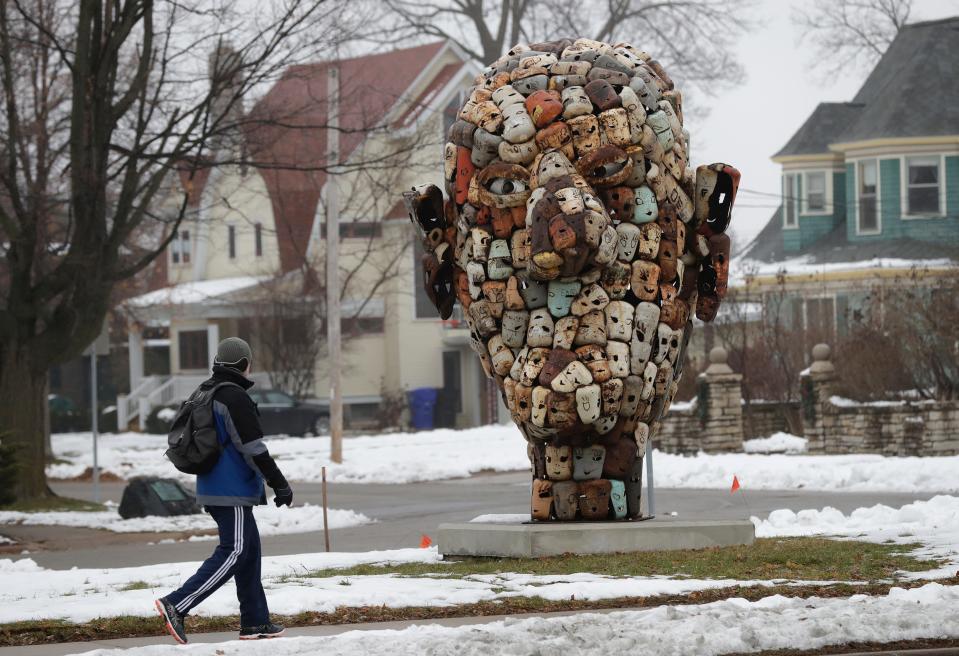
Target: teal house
<point x="870" y="187"/>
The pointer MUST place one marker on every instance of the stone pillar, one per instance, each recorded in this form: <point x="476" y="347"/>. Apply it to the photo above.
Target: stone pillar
<point x="720" y="405"/>
<point x="817" y="385"/>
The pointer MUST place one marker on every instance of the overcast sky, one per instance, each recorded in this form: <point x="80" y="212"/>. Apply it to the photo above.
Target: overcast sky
<point x="748" y="124"/>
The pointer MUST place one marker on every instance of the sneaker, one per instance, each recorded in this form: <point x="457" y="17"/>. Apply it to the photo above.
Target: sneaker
<point x="268" y="630"/>
<point x="173" y="619"/>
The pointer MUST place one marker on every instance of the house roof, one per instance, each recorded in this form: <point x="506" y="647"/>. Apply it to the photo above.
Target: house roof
<point x="201" y="291"/>
<point x="912" y="92"/>
<point x="823" y="127"/>
<point x="767" y="255"/>
<point x="423" y="101"/>
<point x="288" y="139"/>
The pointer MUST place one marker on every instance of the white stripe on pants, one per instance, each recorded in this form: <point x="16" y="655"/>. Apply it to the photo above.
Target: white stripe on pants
<point x="184" y="605"/>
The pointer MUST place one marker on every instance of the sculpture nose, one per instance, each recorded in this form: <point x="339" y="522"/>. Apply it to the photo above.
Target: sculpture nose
<point x="568" y="222"/>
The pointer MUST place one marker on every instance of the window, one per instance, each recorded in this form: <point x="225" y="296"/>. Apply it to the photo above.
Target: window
<point x="193" y="349"/>
<point x="424" y="308"/>
<point x="231" y="240"/>
<point x="279" y="399"/>
<point x="180" y="247"/>
<point x="815" y="317"/>
<point x="356" y="230"/>
<point x="295" y="331"/>
<point x="362" y="325"/>
<point x="821" y="318"/>
<point x="868" y="207"/>
<point x="790" y="198"/>
<point x="815" y="191"/>
<point x="922" y="185"/>
<point x="258" y="239"/>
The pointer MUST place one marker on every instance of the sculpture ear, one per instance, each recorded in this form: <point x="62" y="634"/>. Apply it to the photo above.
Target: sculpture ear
<point x="425" y="206"/>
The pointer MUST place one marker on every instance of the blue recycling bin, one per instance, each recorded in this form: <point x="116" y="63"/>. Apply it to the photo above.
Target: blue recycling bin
<point x="422" y="402"/>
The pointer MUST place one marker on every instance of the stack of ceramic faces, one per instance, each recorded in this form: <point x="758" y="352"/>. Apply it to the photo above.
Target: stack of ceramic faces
<point x="580" y="246"/>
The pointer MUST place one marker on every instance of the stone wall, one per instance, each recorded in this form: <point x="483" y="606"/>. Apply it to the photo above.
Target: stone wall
<point x="835" y="425"/>
<point x="767" y="417"/>
<point x="682" y="430"/>
<point x="714" y="421"/>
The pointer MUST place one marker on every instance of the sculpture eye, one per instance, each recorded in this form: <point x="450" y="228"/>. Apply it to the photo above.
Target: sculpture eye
<point x="506" y="186"/>
<point x="608" y="169"/>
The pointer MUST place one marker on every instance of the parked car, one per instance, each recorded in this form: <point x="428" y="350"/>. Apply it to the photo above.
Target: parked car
<point x="281" y="414"/>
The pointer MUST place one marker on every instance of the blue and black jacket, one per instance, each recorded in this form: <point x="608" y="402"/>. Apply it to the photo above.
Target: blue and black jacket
<point x="245" y="462"/>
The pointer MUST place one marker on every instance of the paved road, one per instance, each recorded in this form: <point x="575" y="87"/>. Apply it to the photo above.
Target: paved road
<point x="403" y="514"/>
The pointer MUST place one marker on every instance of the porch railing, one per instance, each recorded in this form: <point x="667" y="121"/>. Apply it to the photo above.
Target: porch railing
<point x="158" y="391"/>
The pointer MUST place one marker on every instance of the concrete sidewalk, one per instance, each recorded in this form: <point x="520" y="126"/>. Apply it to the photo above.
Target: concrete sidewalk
<point x="67" y="648"/>
<point x="70" y="648"/>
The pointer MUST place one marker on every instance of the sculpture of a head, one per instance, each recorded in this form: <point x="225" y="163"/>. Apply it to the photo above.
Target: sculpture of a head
<point x="579" y="244"/>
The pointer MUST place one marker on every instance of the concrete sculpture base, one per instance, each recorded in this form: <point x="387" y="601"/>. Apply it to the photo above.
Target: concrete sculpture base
<point x="531" y="540"/>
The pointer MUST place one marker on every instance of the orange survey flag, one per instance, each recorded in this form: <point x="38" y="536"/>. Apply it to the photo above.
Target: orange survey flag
<point x="425" y="541"/>
<point x="735" y="486"/>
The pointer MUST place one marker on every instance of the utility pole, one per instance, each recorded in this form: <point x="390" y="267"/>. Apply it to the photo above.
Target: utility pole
<point x="332" y="263"/>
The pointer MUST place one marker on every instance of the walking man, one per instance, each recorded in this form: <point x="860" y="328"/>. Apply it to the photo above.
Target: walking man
<point x="228" y="492"/>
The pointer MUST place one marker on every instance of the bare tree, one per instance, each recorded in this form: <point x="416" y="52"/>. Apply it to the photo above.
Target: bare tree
<point x="904" y="339"/>
<point x="851" y="32"/>
<point x="693" y="39"/>
<point x="102" y="99"/>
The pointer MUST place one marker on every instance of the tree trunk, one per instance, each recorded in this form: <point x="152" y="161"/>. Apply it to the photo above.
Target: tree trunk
<point x="23" y="405"/>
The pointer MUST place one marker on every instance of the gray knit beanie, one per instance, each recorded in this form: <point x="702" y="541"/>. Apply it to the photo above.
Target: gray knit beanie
<point x="234" y="352"/>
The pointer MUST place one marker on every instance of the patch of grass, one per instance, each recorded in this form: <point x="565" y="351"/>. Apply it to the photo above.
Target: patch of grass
<point x="36" y="632"/>
<point x="52" y="504"/>
<point x="806" y="559"/>
<point x="135" y="585"/>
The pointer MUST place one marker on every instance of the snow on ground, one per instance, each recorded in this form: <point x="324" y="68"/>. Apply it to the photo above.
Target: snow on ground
<point x="804" y="264"/>
<point x="33" y="592"/>
<point x="79" y="595"/>
<point x="933" y="523"/>
<point x="846" y="473"/>
<point x="776" y="443"/>
<point x="270" y="520"/>
<point x="389" y="458"/>
<point x="722" y="627"/>
<point x="5" y="540"/>
<point x="508" y="518"/>
<point x="443" y="454"/>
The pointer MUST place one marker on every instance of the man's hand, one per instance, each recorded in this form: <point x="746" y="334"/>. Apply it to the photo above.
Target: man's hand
<point x="284" y="496"/>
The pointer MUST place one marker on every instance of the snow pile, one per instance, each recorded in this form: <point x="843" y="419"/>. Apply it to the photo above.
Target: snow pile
<point x="805" y="264"/>
<point x="270" y="520"/>
<point x="388" y="458"/>
<point x="193" y="292"/>
<point x="166" y="414"/>
<point x="33" y="592"/>
<point x="81" y="595"/>
<point x="933" y="523"/>
<point x="442" y="454"/>
<point x="845" y="473"/>
<point x="518" y="518"/>
<point x="776" y="443"/>
<point x="722" y="627"/>
<point x="5" y="540"/>
<point x="843" y="402"/>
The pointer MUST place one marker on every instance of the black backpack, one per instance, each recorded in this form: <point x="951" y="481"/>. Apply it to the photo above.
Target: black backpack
<point x="194" y="446"/>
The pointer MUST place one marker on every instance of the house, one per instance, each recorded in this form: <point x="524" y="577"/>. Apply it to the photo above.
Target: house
<point x="870" y="188"/>
<point x="256" y="233"/>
